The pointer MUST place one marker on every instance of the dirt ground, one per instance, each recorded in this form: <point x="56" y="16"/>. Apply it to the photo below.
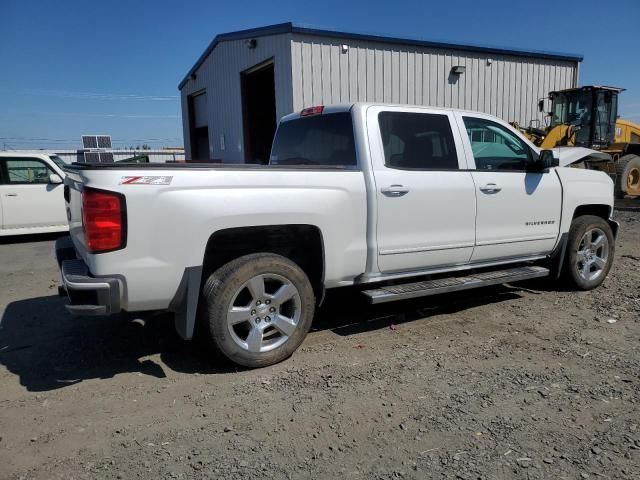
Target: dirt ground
<point x="515" y="381"/>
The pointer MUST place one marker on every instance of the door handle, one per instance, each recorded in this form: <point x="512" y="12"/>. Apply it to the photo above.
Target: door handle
<point x="11" y="195"/>
<point x="395" y="190"/>
<point x="490" y="188"/>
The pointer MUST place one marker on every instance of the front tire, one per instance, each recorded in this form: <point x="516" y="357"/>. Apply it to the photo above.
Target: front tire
<point x="259" y="308"/>
<point x="590" y="250"/>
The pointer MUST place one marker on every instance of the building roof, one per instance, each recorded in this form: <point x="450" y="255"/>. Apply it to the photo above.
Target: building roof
<point x="289" y="27"/>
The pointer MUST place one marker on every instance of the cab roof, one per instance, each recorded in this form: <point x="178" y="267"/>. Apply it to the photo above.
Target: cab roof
<point x="25" y="153"/>
<point x="590" y="87"/>
<point x="346" y="107"/>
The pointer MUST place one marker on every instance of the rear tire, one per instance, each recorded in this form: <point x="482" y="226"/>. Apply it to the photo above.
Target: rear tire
<point x="628" y="176"/>
<point x="259" y="308"/>
<point x="590" y="250"/>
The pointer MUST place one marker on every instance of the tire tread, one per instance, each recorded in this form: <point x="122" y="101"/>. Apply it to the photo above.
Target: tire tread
<point x="577" y="230"/>
<point x="212" y="291"/>
<point x="621" y="173"/>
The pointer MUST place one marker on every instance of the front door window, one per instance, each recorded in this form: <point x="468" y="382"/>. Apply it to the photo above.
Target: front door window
<point x="494" y="147"/>
<point x="26" y="171"/>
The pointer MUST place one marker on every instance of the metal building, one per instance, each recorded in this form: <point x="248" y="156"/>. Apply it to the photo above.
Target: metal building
<point x="245" y="81"/>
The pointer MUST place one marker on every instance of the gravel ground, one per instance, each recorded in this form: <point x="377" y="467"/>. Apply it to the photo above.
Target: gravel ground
<point x="515" y="381"/>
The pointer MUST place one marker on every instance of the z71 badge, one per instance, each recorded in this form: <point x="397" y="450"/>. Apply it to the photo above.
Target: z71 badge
<point x="146" y="180"/>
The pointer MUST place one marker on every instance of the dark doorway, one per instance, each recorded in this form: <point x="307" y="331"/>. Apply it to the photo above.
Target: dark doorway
<point x="259" y="112"/>
<point x="200" y="144"/>
<point x="198" y="126"/>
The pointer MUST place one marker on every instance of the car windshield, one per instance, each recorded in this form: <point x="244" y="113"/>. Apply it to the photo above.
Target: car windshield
<point x="58" y="161"/>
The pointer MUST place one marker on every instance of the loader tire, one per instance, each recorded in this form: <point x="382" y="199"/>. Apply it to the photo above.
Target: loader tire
<point x="628" y="176"/>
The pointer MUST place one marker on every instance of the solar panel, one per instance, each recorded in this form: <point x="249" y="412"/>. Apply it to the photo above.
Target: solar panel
<point x="94" y="148"/>
<point x="106" y="157"/>
<point x="91" y="157"/>
<point x="104" y="141"/>
<point x="89" y="141"/>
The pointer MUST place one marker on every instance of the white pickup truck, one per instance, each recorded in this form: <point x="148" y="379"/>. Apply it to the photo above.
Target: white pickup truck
<point x="401" y="201"/>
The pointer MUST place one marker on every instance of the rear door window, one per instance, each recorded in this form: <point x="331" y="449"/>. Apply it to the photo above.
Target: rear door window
<point x="417" y="141"/>
<point x="321" y="140"/>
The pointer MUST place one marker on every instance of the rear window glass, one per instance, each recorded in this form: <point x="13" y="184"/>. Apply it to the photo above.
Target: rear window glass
<point x="325" y="139"/>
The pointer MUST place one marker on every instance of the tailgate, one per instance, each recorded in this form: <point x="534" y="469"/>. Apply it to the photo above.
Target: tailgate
<point x="73" y="185"/>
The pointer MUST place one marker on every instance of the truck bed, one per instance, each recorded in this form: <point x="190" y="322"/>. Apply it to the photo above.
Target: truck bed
<point x="197" y="166"/>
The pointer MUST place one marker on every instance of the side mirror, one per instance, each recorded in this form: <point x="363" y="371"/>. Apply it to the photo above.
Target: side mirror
<point x="541" y="105"/>
<point x="55" y="179"/>
<point x="547" y="160"/>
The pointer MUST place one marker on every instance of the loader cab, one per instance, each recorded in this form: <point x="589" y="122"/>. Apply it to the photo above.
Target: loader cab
<point x="591" y="110"/>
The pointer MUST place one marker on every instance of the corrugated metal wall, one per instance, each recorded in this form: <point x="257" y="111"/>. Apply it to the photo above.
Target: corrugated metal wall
<point x="312" y="70"/>
<point x="503" y="85"/>
<point x="220" y="76"/>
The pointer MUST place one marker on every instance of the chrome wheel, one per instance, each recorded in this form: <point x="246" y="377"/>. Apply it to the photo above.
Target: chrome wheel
<point x="592" y="255"/>
<point x="264" y="313"/>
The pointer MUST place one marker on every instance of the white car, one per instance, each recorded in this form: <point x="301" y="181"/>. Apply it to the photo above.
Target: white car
<point x="398" y="200"/>
<point x="31" y="193"/>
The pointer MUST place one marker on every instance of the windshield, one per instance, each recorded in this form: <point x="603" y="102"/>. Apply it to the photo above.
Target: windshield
<point x="571" y="108"/>
<point x="58" y="161"/>
<point x="592" y="113"/>
<point x="574" y="108"/>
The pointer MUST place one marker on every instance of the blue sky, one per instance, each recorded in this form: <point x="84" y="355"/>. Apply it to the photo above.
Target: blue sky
<point x="73" y="67"/>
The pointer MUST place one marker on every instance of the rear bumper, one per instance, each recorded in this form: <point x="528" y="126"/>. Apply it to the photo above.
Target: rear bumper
<point x="87" y="295"/>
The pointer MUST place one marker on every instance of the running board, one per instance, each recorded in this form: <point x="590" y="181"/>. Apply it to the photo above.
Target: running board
<point x="405" y="291"/>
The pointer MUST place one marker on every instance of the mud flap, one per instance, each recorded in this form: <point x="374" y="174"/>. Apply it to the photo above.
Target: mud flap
<point x="556" y="259"/>
<point x="185" y="302"/>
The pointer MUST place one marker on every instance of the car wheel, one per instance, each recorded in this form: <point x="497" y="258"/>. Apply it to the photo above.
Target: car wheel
<point x="591" y="247"/>
<point x="259" y="308"/>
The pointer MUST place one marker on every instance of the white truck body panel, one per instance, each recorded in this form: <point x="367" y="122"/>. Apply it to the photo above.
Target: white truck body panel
<point x="180" y="218"/>
<point x="570" y="155"/>
<point x="416" y="231"/>
<point x="444" y="221"/>
<point x="521" y="215"/>
<point x="523" y="218"/>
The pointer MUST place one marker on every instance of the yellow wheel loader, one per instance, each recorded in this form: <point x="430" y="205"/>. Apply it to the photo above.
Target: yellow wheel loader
<point x="587" y="117"/>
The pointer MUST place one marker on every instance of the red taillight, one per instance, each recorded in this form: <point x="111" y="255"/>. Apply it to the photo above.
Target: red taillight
<point x="312" y="111"/>
<point x="103" y="220"/>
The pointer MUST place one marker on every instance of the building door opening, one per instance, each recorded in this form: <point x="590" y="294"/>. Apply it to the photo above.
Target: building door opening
<point x="199" y="127"/>
<point x="259" y="112"/>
